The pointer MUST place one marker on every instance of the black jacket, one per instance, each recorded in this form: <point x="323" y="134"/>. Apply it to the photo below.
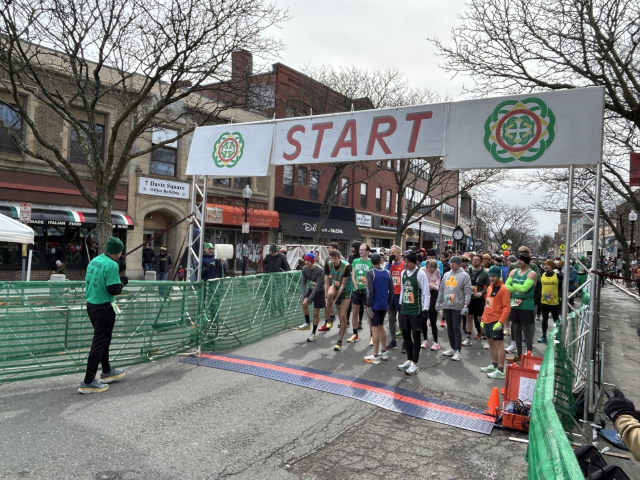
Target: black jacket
<point x="148" y="256"/>
<point x="272" y="264"/>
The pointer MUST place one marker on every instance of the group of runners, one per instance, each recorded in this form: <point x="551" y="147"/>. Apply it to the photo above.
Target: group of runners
<point x="498" y="295"/>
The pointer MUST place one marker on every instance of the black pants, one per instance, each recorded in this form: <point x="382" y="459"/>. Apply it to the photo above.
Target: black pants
<point x="432" y="317"/>
<point x="410" y="325"/>
<point x="545" y="310"/>
<point x="103" y="318"/>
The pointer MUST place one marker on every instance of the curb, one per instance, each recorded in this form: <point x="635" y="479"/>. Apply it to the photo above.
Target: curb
<point x="626" y="291"/>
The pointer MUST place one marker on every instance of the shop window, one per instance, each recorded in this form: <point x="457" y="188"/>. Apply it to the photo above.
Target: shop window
<point x="378" y="199"/>
<point x="225" y="182"/>
<point x="287" y="180"/>
<point x="388" y="201"/>
<point x="302" y="175"/>
<point x="164" y="159"/>
<point x="313" y="184"/>
<point x="363" y="195"/>
<point x="241" y="182"/>
<point x="10" y="254"/>
<point x="75" y="150"/>
<point x="13" y="120"/>
<point x="344" y="194"/>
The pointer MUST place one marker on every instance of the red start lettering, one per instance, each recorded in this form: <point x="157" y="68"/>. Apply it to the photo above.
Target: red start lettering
<point x="294" y="142"/>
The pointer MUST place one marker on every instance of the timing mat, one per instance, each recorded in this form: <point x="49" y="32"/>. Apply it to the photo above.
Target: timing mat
<point x="385" y="396"/>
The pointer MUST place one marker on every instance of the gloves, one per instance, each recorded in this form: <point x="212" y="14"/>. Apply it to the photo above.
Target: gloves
<point x="498" y="326"/>
<point x="464" y="311"/>
<point x="619" y="405"/>
<point x="482" y="325"/>
<point x="124" y="281"/>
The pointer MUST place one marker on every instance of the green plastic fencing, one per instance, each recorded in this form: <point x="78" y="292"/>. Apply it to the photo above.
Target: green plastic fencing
<point x="45" y="330"/>
<point x="549" y="454"/>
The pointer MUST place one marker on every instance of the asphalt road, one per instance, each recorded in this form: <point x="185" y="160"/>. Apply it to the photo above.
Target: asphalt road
<point x="169" y="420"/>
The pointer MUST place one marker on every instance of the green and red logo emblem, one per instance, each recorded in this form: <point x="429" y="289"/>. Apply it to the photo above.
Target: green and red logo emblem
<point x="519" y="130"/>
<point x="228" y="150"/>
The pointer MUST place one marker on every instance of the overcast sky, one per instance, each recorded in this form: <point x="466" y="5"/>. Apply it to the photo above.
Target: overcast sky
<point x="381" y="34"/>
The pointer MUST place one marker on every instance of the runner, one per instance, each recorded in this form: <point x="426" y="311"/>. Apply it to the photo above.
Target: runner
<point x="453" y="298"/>
<point x="583" y="270"/>
<point x="414" y="298"/>
<point x="536" y="295"/>
<point x="380" y="290"/>
<point x="479" y="282"/>
<point x="340" y="290"/>
<point x="329" y="314"/>
<point x="444" y="259"/>
<point x="431" y="255"/>
<point x="486" y="261"/>
<point x="312" y="293"/>
<point x="465" y="262"/>
<point x="395" y="267"/>
<point x="361" y="265"/>
<point x="496" y="312"/>
<point x="521" y="283"/>
<point x="551" y="296"/>
<point x="433" y="277"/>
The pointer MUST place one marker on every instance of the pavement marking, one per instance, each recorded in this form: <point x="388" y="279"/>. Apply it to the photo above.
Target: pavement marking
<point x="385" y="396"/>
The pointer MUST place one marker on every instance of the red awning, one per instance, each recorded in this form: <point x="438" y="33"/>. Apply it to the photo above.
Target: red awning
<point x="230" y="215"/>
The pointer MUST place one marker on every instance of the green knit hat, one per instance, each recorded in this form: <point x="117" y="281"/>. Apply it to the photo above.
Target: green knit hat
<point x="114" y="245"/>
<point x="495" y="271"/>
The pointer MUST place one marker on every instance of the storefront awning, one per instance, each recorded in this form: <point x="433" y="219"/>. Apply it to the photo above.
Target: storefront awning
<point x="296" y="225"/>
<point x="58" y="217"/>
<point x="231" y="215"/>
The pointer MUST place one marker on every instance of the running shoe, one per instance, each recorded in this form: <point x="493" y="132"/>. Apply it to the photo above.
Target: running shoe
<point x="488" y="369"/>
<point x="449" y="353"/>
<point x="524" y="343"/>
<point x="312" y="338"/>
<point x="372" y="359"/>
<point x="392" y="345"/>
<point x="516" y="359"/>
<point x="478" y="336"/>
<point x="468" y="342"/>
<point x="485" y="344"/>
<point x="542" y="340"/>
<point x="424" y="344"/>
<point x="323" y="328"/>
<point x="435" y="346"/>
<point x="404" y="350"/>
<point x="405" y="365"/>
<point x="398" y="334"/>
<point x="329" y="325"/>
<point x="113" y="376"/>
<point x="384" y="356"/>
<point x="507" y="331"/>
<point x="511" y="348"/>
<point x="456" y="356"/>
<point x="441" y="323"/>
<point x="496" y="374"/>
<point x="371" y="342"/>
<point x="93" y="387"/>
<point x="304" y="326"/>
<point x="338" y="346"/>
<point x="412" y="370"/>
<point x="354" y="338"/>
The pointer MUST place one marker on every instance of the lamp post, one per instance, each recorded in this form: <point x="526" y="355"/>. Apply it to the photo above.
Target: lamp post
<point x="419" y="235"/>
<point x="246" y="194"/>
<point x="633" y="216"/>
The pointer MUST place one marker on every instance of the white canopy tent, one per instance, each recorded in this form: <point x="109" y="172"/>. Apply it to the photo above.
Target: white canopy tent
<point x="15" y="232"/>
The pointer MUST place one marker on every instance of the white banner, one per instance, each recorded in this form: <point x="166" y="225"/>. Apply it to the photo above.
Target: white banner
<point x="552" y="129"/>
<point x="232" y="150"/>
<point x="407" y="132"/>
<point x="163" y="188"/>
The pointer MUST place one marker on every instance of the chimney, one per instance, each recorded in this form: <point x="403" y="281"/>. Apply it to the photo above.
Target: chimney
<point x="241" y="65"/>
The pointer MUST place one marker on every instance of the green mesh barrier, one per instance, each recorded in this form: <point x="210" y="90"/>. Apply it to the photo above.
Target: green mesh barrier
<point x="549" y="454"/>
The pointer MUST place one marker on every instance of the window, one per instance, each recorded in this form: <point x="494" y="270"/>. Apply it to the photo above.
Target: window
<point x="416" y="199"/>
<point x="313" y="184"/>
<point x="163" y="159"/>
<point x="225" y="182"/>
<point x="363" y="195"/>
<point x="420" y="167"/>
<point x="449" y="212"/>
<point x="302" y="175"/>
<point x="378" y="199"/>
<point x="13" y="120"/>
<point x="75" y="150"/>
<point x="388" y="204"/>
<point x="241" y="182"/>
<point x="344" y="194"/>
<point x="287" y="180"/>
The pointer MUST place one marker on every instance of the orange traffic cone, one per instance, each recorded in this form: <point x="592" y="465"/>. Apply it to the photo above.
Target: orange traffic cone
<point x="493" y="405"/>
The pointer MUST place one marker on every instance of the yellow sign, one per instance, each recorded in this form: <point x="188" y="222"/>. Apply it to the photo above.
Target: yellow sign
<point x="505" y="246"/>
<point x="562" y="247"/>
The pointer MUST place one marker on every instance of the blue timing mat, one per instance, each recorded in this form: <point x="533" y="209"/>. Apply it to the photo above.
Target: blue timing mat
<point x="385" y="396"/>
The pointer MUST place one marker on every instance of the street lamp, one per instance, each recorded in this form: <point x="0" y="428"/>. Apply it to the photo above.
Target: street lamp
<point x="419" y="235"/>
<point x="633" y="216"/>
<point x="246" y="194"/>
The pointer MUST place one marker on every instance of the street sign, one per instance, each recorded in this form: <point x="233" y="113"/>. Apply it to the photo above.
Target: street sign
<point x="610" y="249"/>
<point x="245" y="227"/>
<point x="562" y="247"/>
<point x="25" y="212"/>
<point x="504" y="246"/>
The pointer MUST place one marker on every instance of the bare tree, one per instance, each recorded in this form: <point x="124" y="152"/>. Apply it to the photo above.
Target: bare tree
<point x="145" y="61"/>
<point x="509" y="224"/>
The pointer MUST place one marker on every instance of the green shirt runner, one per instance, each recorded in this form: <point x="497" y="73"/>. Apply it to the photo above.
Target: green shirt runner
<point x="522" y="300"/>
<point x="360" y="269"/>
<point x="411" y="293"/>
<point x="101" y="268"/>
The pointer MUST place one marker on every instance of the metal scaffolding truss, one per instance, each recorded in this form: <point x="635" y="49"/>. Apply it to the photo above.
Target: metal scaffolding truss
<point x="581" y="324"/>
<point x="196" y="228"/>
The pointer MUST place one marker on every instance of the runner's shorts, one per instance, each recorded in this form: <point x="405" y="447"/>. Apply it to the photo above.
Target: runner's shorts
<point x="523" y="317"/>
<point x="359" y="297"/>
<point x="489" y="332"/>
<point x="378" y="318"/>
<point x="395" y="303"/>
<point x="410" y="322"/>
<point x="318" y="301"/>
<point x="476" y="307"/>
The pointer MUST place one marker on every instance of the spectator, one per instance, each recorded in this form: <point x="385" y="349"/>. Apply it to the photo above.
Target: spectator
<point x="164" y="262"/>
<point x="61" y="268"/>
<point x="626" y="420"/>
<point x="211" y="267"/>
<point x="275" y="262"/>
<point x="148" y="258"/>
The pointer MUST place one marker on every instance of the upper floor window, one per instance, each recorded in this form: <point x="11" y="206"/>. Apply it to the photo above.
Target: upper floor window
<point x="388" y="202"/>
<point x="75" y="150"/>
<point x="287" y="180"/>
<point x="164" y="159"/>
<point x="313" y="184"/>
<point x="363" y="195"/>
<point x="14" y="123"/>
<point x="378" y="198"/>
<point x="449" y="212"/>
<point x="344" y="194"/>
<point x="225" y="182"/>
<point x="302" y="175"/>
<point x="241" y="182"/>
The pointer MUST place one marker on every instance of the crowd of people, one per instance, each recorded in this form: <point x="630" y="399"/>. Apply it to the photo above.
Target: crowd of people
<point x="478" y="297"/>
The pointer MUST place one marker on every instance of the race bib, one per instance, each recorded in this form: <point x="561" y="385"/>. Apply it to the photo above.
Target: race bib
<point x="408" y="297"/>
<point x="515" y="302"/>
<point x="363" y="280"/>
<point x="396" y="280"/>
<point x="488" y="303"/>
<point x="433" y="284"/>
<point x="449" y="298"/>
<point x="547" y="296"/>
<point x="337" y="283"/>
